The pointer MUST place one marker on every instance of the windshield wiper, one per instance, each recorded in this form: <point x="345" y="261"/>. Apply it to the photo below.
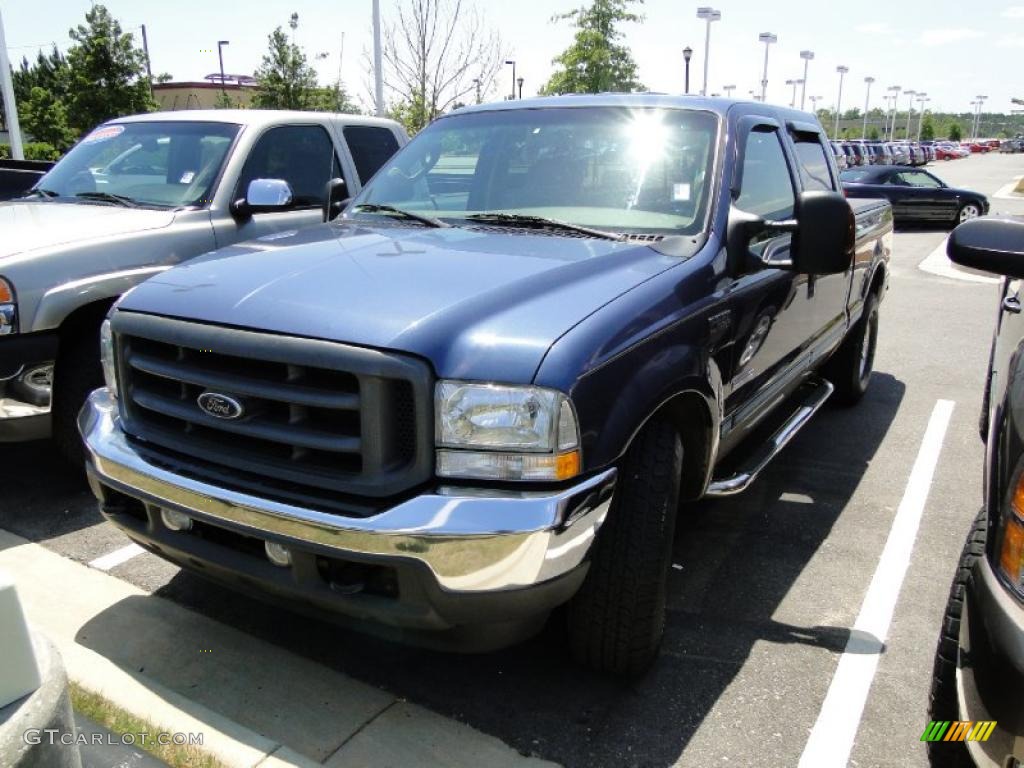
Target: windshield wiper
<point x="47" y="193"/>
<point x="390" y="210"/>
<point x="539" y="222"/>
<point x="127" y="202"/>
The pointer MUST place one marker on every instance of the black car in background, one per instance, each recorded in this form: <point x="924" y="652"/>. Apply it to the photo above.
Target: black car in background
<point x="915" y="194"/>
<point x="979" y="663"/>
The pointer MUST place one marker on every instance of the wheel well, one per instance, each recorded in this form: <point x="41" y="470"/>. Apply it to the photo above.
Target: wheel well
<point x="877" y="281"/>
<point x="689" y="413"/>
<point x="85" y="319"/>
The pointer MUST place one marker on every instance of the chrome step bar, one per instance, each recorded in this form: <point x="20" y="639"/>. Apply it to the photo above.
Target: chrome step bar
<point x="741" y="480"/>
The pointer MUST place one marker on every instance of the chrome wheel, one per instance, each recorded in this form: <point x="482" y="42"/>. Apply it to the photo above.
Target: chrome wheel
<point x="969" y="211"/>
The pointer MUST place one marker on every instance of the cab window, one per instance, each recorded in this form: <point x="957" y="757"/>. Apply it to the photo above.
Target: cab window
<point x="302" y="155"/>
<point x="767" y="189"/>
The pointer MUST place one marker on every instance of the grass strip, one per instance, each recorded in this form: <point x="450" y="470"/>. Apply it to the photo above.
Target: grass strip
<point x="122" y="722"/>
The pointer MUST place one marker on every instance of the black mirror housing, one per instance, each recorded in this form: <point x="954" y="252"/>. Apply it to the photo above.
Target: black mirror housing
<point x="991" y="245"/>
<point x="335" y="198"/>
<point x="825" y="238"/>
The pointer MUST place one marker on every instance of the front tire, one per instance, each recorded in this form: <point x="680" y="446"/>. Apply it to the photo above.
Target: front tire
<point x="617" y="619"/>
<point x="851" y="366"/>
<point x="76" y="374"/>
<point x="968" y="211"/>
<point x="942" y="701"/>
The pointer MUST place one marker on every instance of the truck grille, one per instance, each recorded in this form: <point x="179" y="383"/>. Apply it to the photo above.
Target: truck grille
<point x="320" y="423"/>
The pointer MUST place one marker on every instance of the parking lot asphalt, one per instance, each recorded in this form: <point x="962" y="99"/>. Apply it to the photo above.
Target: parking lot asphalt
<point x="767" y="586"/>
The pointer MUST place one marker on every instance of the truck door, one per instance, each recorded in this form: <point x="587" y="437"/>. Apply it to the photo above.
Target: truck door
<point x="771" y="307"/>
<point x="302" y="155"/>
<point x="828" y="295"/>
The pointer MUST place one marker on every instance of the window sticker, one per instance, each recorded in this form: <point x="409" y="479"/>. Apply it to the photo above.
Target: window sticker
<point x="681" y="192"/>
<point x="105" y="133"/>
<point x="187" y="176"/>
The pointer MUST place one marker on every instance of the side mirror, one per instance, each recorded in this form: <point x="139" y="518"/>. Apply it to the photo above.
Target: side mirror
<point x="335" y="198"/>
<point x="823" y="237"/>
<point x="991" y="245"/>
<point x="262" y="196"/>
<point x="826" y="235"/>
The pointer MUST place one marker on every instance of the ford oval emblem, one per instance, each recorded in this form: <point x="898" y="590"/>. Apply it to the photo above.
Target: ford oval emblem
<point x="220" y="406"/>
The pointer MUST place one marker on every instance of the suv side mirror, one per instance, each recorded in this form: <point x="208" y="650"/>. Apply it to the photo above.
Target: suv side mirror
<point x="263" y="196"/>
<point x="823" y="236"/>
<point x="991" y="245"/>
<point x="335" y="198"/>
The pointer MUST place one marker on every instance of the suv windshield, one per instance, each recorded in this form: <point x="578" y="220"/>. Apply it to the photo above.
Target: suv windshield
<point x="170" y="164"/>
<point x="609" y="168"/>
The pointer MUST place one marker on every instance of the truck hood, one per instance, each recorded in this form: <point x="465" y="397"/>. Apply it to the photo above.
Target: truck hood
<point x="39" y="225"/>
<point x="477" y="304"/>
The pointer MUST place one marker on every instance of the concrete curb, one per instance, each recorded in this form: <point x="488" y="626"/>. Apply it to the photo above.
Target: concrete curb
<point x="256" y="704"/>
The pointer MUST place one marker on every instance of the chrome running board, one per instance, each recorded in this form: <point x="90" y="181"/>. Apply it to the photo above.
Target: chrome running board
<point x="747" y="474"/>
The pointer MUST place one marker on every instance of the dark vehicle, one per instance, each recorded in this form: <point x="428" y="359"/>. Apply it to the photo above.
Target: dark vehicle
<point x="858" y="154"/>
<point x="915" y="194"/>
<point x="979" y="662"/>
<point x="482" y="392"/>
<point x="19" y="176"/>
<point x="839" y="155"/>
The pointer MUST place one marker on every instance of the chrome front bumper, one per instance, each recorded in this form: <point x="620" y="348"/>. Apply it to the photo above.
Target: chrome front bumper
<point x="471" y="540"/>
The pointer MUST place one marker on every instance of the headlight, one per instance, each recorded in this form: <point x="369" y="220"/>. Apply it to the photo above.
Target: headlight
<point x="8" y="309"/>
<point x="107" y="357"/>
<point x="494" y="432"/>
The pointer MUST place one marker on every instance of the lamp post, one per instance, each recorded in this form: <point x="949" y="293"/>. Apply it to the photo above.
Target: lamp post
<point x="378" y="66"/>
<point x="842" y="70"/>
<point x="767" y="38"/>
<point x="513" y="63"/>
<point x="709" y="15"/>
<point x="921" y="101"/>
<point x="220" y="55"/>
<point x="814" y="104"/>
<point x="519" y="82"/>
<point x="977" y="120"/>
<point x="867" y="101"/>
<point x="687" y="53"/>
<point x="728" y="90"/>
<point x="894" y="92"/>
<point x="807" y="56"/>
<point x="910" y="109"/>
<point x="476" y="82"/>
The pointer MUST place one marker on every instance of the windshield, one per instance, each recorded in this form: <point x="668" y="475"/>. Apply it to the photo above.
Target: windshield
<point x="610" y="168"/>
<point x="170" y="164"/>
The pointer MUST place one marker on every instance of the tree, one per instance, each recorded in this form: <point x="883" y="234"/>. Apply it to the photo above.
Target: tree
<point x="224" y="101"/>
<point x="49" y="72"/>
<point x="596" y="62"/>
<point x="106" y="72"/>
<point x="335" y="98"/>
<point x="433" y="54"/>
<point x="873" y="133"/>
<point x="852" y="114"/>
<point x="927" y="129"/>
<point x="285" y="79"/>
<point x="46" y="119"/>
<point x="955" y="134"/>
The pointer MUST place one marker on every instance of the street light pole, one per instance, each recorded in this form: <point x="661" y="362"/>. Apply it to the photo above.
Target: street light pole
<point x="476" y="82"/>
<point x="378" y="65"/>
<point x="921" y="101"/>
<point x="220" y="55"/>
<point x="894" y="90"/>
<point x="513" y="63"/>
<point x="910" y="109"/>
<point x="687" y="53"/>
<point x="977" y="121"/>
<point x="10" y="106"/>
<point x="728" y="90"/>
<point x="842" y="70"/>
<point x="814" y="104"/>
<point x="767" y="38"/>
<point x="867" y="101"/>
<point x="519" y="82"/>
<point x="709" y="15"/>
<point x="807" y="56"/>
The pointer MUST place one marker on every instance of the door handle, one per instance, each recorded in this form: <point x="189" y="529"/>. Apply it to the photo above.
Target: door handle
<point x="1012" y="304"/>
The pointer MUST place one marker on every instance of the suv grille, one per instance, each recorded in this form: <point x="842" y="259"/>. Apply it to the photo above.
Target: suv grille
<point x="321" y="423"/>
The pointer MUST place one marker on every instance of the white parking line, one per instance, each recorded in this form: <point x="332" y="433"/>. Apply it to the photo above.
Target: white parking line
<point x="115" y="558"/>
<point x="938" y="263"/>
<point x="833" y="734"/>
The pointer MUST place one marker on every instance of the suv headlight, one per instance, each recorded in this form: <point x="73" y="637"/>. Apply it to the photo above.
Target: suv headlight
<point x="8" y="309"/>
<point x="107" y="357"/>
<point x="495" y="432"/>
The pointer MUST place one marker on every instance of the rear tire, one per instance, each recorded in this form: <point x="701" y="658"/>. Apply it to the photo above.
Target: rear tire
<point x="617" y="619"/>
<point x="942" y="702"/>
<point x="851" y="366"/>
<point x="76" y="374"/>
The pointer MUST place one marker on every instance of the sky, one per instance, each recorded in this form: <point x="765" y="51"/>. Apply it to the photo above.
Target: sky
<point x="950" y="50"/>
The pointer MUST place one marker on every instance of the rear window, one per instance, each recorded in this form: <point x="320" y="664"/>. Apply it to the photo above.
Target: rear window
<point x="371" y="147"/>
<point x="856" y="175"/>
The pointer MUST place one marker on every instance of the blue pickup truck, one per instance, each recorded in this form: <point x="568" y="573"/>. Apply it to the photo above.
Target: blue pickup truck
<point x="484" y="390"/>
